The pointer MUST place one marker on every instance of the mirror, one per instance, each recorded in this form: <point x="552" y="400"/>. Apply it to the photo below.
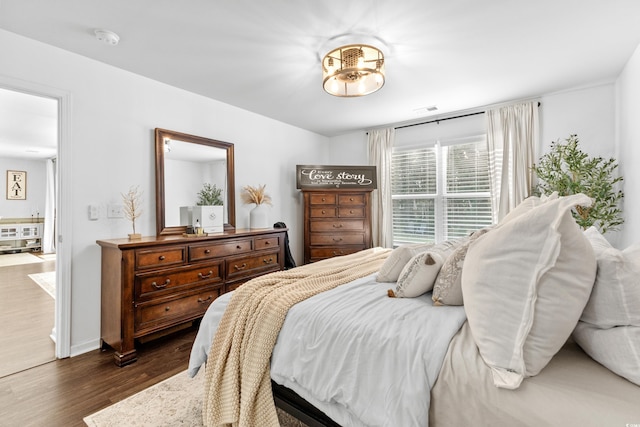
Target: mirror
<point x="184" y="163"/>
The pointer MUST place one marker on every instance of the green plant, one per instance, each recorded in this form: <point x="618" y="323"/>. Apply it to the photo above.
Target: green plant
<point x="568" y="170"/>
<point x="210" y="195"/>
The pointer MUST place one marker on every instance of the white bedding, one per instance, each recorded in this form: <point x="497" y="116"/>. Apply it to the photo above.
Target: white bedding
<point x="356" y="354"/>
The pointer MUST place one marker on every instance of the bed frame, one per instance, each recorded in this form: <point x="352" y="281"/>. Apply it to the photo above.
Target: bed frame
<point x="290" y="402"/>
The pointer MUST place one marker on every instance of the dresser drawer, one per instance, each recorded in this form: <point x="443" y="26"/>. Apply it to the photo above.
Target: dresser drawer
<point x="172" y="311"/>
<point x="337" y="239"/>
<point x="213" y="250"/>
<point x="338" y="225"/>
<point x="160" y="257"/>
<point x="250" y="265"/>
<point x="352" y="212"/>
<point x="323" y="199"/>
<point x="350" y="199"/>
<point x="267" y="242"/>
<point x="157" y="283"/>
<point x="322" y="253"/>
<point x="327" y="212"/>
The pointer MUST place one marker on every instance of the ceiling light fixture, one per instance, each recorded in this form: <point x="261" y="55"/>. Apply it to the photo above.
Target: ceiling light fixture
<point x="107" y="37"/>
<point x="353" y="70"/>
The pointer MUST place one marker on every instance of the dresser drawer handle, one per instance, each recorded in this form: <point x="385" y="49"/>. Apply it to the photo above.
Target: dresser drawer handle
<point x="238" y="247"/>
<point x="205" y="276"/>
<point x="162" y="286"/>
<point x="267" y="243"/>
<point x="267" y="261"/>
<point x="167" y="308"/>
<point x="338" y="252"/>
<point x="338" y="239"/>
<point x="240" y="267"/>
<point x="205" y="301"/>
<point x="324" y="212"/>
<point x="207" y="251"/>
<point x="323" y="199"/>
<point x="351" y="211"/>
<point x="351" y="199"/>
<point x="337" y="225"/>
<point x="161" y="257"/>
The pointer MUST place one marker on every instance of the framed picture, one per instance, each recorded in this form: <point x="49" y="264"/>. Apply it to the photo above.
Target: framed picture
<point x="310" y="177"/>
<point x="16" y="185"/>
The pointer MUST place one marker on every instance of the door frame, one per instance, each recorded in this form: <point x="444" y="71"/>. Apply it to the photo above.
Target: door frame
<point x="61" y="332"/>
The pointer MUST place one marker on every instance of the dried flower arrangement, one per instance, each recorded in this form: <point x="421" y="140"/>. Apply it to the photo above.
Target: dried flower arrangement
<point x="256" y="195"/>
<point x="132" y="201"/>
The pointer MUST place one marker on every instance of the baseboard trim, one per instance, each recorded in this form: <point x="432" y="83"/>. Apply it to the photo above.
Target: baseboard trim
<point x="85" y="347"/>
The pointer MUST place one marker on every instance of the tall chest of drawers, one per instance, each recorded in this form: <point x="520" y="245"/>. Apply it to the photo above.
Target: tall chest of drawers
<point x="157" y="283"/>
<point x="336" y="222"/>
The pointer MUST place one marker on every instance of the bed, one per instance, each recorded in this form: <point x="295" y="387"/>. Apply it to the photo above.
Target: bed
<point x="369" y="352"/>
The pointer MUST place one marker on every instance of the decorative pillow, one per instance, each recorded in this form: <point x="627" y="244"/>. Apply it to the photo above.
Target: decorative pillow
<point x="525" y="285"/>
<point x="400" y="256"/>
<point x="447" y="289"/>
<point x="617" y="349"/>
<point x="615" y="299"/>
<point x="418" y="276"/>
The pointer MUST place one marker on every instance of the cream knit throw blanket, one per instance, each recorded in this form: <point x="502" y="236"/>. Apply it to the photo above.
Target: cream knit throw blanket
<point x="237" y="381"/>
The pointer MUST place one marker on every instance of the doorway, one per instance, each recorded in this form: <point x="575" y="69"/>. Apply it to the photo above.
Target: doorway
<point x="29" y="146"/>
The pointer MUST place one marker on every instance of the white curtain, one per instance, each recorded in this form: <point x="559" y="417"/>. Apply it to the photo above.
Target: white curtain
<point x="48" y="236"/>
<point x="380" y="146"/>
<point x="512" y="135"/>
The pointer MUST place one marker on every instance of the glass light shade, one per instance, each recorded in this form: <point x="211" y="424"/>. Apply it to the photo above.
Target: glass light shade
<point x="353" y="70"/>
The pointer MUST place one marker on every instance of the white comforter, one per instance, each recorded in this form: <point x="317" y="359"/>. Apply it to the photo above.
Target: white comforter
<point x="361" y="357"/>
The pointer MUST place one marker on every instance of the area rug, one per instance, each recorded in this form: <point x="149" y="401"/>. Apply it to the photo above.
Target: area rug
<point x="48" y="257"/>
<point x="46" y="281"/>
<point x="176" y="401"/>
<point x="16" y="259"/>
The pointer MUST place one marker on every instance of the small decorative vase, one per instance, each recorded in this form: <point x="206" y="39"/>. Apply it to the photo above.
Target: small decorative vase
<point x="259" y="217"/>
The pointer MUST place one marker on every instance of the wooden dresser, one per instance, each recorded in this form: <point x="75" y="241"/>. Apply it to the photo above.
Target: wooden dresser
<point x="336" y="222"/>
<point x="157" y="283"/>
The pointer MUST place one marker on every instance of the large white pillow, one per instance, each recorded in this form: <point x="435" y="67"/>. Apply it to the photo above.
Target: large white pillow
<point x="419" y="275"/>
<point x="525" y="285"/>
<point x="399" y="257"/>
<point x="617" y="349"/>
<point x="615" y="299"/>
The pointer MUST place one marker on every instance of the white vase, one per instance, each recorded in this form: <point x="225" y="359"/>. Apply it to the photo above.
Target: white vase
<point x="259" y="217"/>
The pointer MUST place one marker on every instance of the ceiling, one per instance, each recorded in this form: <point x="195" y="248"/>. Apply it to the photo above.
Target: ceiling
<point x="264" y="56"/>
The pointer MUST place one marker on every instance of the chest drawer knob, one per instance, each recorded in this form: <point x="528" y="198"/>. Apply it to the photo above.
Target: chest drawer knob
<point x="167" y="308"/>
<point x="267" y="261"/>
<point x="161" y="257"/>
<point x="205" y="301"/>
<point x="207" y="251"/>
<point x="161" y="286"/>
<point x="351" y="199"/>
<point x="205" y="276"/>
<point x="240" y="267"/>
<point x="238" y="247"/>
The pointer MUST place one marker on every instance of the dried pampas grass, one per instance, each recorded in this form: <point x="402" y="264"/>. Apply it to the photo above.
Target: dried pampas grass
<point x="255" y="195"/>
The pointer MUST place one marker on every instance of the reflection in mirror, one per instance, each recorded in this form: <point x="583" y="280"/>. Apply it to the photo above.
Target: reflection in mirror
<point x="184" y="163"/>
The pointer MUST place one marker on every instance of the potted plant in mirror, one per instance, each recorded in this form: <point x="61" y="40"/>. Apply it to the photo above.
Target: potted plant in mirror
<point x="259" y="215"/>
<point x="131" y="206"/>
<point x="209" y="210"/>
<point x="568" y="170"/>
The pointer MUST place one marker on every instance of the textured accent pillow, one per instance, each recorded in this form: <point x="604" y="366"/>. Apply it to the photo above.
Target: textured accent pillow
<point x="418" y="276"/>
<point x="400" y="256"/>
<point x="447" y="289"/>
<point x="617" y="349"/>
<point x="525" y="285"/>
<point x="615" y="299"/>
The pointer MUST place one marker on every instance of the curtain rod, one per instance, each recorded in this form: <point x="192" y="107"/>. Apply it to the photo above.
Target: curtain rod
<point x="443" y="119"/>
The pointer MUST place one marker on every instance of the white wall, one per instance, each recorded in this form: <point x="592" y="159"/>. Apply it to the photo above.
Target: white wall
<point x="36" y="185"/>
<point x="113" y="115"/>
<point x="628" y="145"/>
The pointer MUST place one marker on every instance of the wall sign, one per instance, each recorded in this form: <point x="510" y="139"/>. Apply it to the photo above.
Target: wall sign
<point x="16" y="185"/>
<point x="309" y="177"/>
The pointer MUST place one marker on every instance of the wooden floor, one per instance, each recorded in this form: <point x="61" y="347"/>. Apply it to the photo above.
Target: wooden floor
<point x="63" y="392"/>
<point x="27" y="316"/>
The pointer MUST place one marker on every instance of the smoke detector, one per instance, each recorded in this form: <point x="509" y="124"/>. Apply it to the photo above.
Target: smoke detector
<point x="107" y="37"/>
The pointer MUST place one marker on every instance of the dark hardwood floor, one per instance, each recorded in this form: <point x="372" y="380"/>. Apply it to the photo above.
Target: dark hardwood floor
<point x="63" y="392"/>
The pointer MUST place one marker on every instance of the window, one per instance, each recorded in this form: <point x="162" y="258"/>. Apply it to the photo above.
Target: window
<point x="440" y="191"/>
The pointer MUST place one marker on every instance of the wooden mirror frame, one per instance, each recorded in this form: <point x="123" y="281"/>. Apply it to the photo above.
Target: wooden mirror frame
<point x="160" y="136"/>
